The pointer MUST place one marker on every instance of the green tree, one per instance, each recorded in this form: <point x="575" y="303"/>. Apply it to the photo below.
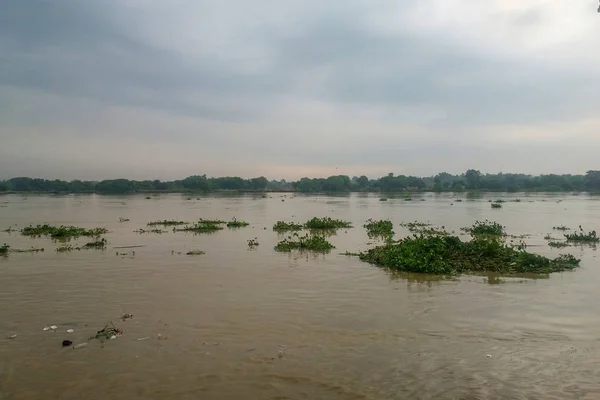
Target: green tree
<point x="592" y="180"/>
<point x="473" y="179"/>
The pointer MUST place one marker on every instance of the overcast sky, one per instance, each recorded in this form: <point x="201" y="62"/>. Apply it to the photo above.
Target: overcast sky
<point x="95" y="89"/>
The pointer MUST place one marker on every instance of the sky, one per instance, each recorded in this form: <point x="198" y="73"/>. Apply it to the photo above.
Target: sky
<point x="155" y="89"/>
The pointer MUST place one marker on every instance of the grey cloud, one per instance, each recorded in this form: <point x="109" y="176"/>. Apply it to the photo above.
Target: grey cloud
<point x="79" y="48"/>
<point x="91" y="57"/>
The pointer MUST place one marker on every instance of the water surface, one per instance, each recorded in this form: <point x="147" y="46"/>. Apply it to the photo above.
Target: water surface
<point x="254" y="324"/>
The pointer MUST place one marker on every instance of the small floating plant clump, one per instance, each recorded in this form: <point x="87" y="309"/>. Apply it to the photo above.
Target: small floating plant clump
<point x="196" y="252"/>
<point x="281" y="226"/>
<point x="383" y="199"/>
<point x="95" y="245"/>
<point x="252" y="243"/>
<point x="200" y="227"/>
<point x="121" y="219"/>
<point x="167" y="222"/>
<point x="306" y="242"/>
<point x="62" y="232"/>
<point x="485" y="228"/>
<point x="411" y="226"/>
<point x="557" y="244"/>
<point x="379" y="228"/>
<point x="582" y="236"/>
<point x="424" y="228"/>
<point x="561" y="228"/>
<point x="4" y="249"/>
<point x="449" y="255"/>
<point x="326" y="223"/>
<point x="496" y="205"/>
<point x="237" y="224"/>
<point x="156" y="230"/>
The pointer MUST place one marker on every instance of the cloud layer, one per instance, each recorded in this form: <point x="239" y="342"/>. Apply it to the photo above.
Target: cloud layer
<point x="153" y="89"/>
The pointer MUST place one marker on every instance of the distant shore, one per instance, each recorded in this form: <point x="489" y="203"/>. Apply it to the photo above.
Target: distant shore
<point x="470" y="181"/>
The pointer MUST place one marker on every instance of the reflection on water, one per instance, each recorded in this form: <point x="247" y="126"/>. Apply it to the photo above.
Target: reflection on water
<point x="244" y="322"/>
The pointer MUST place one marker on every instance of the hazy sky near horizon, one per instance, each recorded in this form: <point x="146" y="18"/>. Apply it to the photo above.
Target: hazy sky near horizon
<point x="144" y="89"/>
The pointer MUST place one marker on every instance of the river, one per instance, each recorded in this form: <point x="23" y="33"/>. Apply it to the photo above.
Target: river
<point x="240" y="323"/>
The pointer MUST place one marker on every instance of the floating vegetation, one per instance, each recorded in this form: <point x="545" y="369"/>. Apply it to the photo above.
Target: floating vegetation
<point x="30" y="250"/>
<point x="167" y="222"/>
<point x="196" y="252"/>
<point x="61" y="232"/>
<point x="412" y="226"/>
<point x="448" y="255"/>
<point x="156" y="230"/>
<point x="561" y="228"/>
<point x="96" y="245"/>
<point x="557" y="244"/>
<point x="306" y="242"/>
<point x="4" y="249"/>
<point x="383" y="199"/>
<point x="200" y="227"/>
<point x="211" y="221"/>
<point x="582" y="236"/>
<point x="408" y="198"/>
<point x="349" y="254"/>
<point x="458" y="200"/>
<point x="281" y="226"/>
<point x="499" y="201"/>
<point x="121" y="219"/>
<point x="66" y="248"/>
<point x="237" y="224"/>
<point x="496" y="205"/>
<point x="326" y="223"/>
<point x="549" y="237"/>
<point x="253" y="243"/>
<point x="379" y="228"/>
<point x="110" y="331"/>
<point x="485" y="228"/>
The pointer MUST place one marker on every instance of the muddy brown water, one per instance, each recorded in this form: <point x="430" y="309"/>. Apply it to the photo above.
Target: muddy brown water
<point x="254" y="324"/>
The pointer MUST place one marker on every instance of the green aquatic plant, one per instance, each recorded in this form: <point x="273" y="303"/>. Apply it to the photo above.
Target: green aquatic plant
<point x="253" y="243"/>
<point x="326" y="223"/>
<point x="309" y="242"/>
<point x="156" y="230"/>
<point x="496" y="205"/>
<point x="383" y="199"/>
<point x="414" y="225"/>
<point x="582" y="236"/>
<point x="211" y="221"/>
<point x="485" y="228"/>
<point x="379" y="228"/>
<point x="121" y="219"/>
<point x="196" y="252"/>
<point x="448" y="255"/>
<point x="200" y="227"/>
<point x="561" y="228"/>
<point x="97" y="244"/>
<point x="4" y="249"/>
<point x="557" y="244"/>
<point x="281" y="226"/>
<point x="167" y="222"/>
<point x="61" y="232"/>
<point x="234" y="223"/>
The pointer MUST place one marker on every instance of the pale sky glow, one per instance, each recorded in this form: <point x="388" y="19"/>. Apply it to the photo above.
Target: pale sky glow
<point x="145" y="89"/>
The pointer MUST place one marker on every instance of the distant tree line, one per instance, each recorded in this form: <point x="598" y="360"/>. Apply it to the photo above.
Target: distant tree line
<point x="470" y="180"/>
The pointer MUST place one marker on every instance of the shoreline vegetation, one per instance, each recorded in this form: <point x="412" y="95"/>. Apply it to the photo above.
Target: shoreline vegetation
<point x="471" y="180"/>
